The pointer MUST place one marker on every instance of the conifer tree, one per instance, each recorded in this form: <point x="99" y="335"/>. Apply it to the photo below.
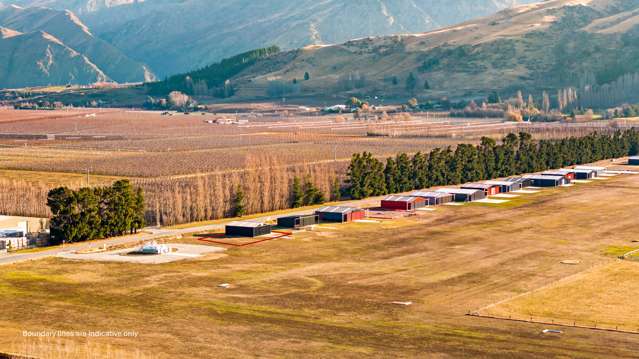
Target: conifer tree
<point x="239" y="203"/>
<point x="298" y="193"/>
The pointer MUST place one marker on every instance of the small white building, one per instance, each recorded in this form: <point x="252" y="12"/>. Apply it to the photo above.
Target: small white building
<point x="12" y="238"/>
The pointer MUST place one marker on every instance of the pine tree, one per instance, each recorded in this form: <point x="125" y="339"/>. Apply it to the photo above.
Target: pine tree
<point x="390" y="175"/>
<point x="298" y="193"/>
<point x="307" y="76"/>
<point x="312" y="194"/>
<point x="239" y="203"/>
<point x="404" y="173"/>
<point x="139" y="209"/>
<point x="336" y="190"/>
<point x="411" y="82"/>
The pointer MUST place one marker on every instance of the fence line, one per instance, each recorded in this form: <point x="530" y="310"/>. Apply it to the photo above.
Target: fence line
<point x="556" y="323"/>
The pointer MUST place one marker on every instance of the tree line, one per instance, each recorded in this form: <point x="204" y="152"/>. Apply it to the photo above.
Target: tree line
<point x="93" y="213"/>
<point x="516" y="154"/>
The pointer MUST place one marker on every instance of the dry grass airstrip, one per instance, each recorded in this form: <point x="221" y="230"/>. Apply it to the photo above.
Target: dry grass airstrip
<point x="330" y="292"/>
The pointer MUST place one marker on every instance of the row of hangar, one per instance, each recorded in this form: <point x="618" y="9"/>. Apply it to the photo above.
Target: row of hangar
<point x="419" y="199"/>
<point x="334" y="214"/>
<point x="477" y="191"/>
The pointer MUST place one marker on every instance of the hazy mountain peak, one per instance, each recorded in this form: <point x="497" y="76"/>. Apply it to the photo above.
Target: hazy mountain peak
<point x="52" y="38"/>
<point x="76" y="20"/>
<point x="6" y="33"/>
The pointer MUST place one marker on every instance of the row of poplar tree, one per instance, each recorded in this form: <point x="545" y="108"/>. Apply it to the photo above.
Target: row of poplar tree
<point x="93" y="213"/>
<point x="516" y="154"/>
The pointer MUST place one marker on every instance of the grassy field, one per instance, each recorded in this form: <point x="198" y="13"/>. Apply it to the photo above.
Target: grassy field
<point x="329" y="292"/>
<point x="599" y="298"/>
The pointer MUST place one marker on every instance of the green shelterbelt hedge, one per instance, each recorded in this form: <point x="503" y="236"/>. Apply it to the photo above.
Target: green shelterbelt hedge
<point x="517" y="154"/>
<point x="92" y="213"/>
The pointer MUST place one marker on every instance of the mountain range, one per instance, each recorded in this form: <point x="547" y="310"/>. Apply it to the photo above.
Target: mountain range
<point x="44" y="46"/>
<point x="130" y="40"/>
<point x="535" y="47"/>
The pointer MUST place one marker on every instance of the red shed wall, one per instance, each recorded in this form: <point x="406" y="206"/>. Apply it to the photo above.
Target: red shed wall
<point x="357" y="215"/>
<point x="395" y="205"/>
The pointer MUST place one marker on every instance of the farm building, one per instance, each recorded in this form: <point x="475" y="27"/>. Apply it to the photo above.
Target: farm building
<point x="489" y="189"/>
<point x="547" y="181"/>
<point x="584" y="174"/>
<point x="247" y="229"/>
<point x="506" y="186"/>
<point x="598" y="170"/>
<point x="298" y="221"/>
<point x="434" y="198"/>
<point x="568" y="174"/>
<point x="464" y="195"/>
<point x="13" y="237"/>
<point x="403" y="203"/>
<point x="340" y="214"/>
<point x="633" y="161"/>
<point x="522" y="181"/>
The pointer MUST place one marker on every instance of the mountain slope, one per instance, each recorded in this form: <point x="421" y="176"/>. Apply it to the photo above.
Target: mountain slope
<point x="40" y="59"/>
<point x="68" y="28"/>
<point x="541" y="46"/>
<point x="174" y="36"/>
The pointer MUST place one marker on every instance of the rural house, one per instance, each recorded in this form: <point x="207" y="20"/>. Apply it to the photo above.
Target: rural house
<point x="633" y="161"/>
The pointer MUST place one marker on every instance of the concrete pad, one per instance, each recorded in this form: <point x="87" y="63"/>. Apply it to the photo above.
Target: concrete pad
<point x="182" y="252"/>
<point x="505" y="195"/>
<point x="609" y="174"/>
<point x="426" y="209"/>
<point x="581" y="181"/>
<point x="365" y="221"/>
<point x="567" y="185"/>
<point x="492" y="201"/>
<point x="454" y="204"/>
<point x="526" y="191"/>
<point x="600" y="178"/>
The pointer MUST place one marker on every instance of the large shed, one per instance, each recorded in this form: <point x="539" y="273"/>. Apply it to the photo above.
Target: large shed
<point x="402" y="203"/>
<point x="584" y="174"/>
<point x="506" y="186"/>
<point x="633" y="161"/>
<point x="568" y="174"/>
<point x="464" y="195"/>
<point x="489" y="189"/>
<point x="547" y="181"/>
<point x="340" y="214"/>
<point x="298" y="221"/>
<point x="598" y="170"/>
<point x="522" y="181"/>
<point x="247" y="229"/>
<point x="434" y="198"/>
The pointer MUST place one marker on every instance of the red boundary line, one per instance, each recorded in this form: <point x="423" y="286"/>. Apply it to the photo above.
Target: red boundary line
<point x="282" y="234"/>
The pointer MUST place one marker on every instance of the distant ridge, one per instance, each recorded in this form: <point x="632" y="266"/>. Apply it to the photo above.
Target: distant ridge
<point x="75" y="44"/>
